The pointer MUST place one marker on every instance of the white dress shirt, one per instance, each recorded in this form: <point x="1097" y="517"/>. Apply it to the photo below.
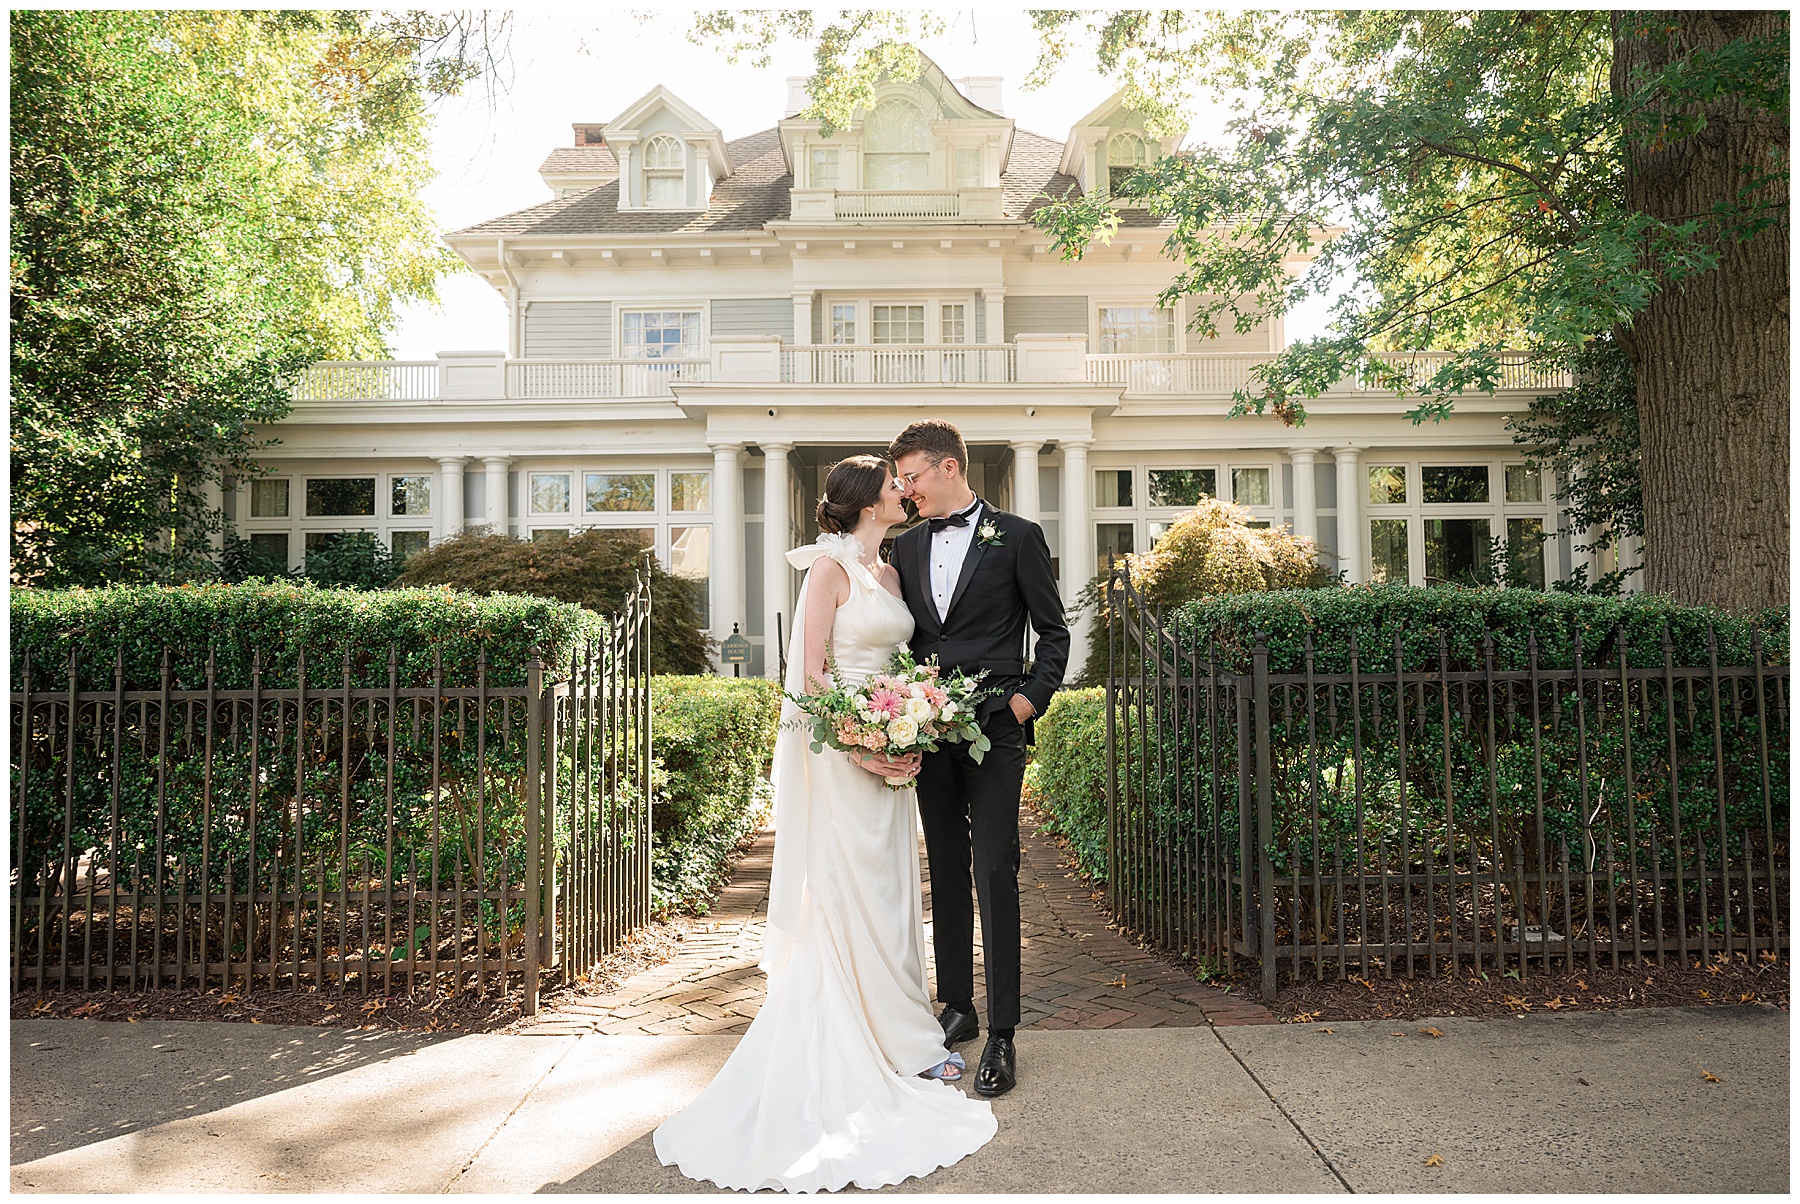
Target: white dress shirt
<point x="949" y="548"/>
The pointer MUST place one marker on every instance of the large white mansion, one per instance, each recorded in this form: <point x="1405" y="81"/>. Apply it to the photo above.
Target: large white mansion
<point x="697" y="329"/>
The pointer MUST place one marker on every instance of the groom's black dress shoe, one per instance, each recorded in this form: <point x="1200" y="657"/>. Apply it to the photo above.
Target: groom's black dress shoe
<point x="958" y="1025"/>
<point x="996" y="1074"/>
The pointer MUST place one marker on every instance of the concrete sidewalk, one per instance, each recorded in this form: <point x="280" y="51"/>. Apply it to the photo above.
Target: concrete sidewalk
<point x="193" y="1107"/>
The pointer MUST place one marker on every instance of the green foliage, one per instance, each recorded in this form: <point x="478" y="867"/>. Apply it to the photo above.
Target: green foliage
<point x="1469" y="164"/>
<point x="712" y="738"/>
<point x="202" y="203"/>
<point x="1211" y="550"/>
<point x="353" y="560"/>
<point x="1066" y="779"/>
<point x="594" y="569"/>
<point x="1588" y="434"/>
<point x="280" y="620"/>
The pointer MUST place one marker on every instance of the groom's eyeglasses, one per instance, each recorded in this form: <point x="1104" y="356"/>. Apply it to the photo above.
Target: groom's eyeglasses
<point x="911" y="478"/>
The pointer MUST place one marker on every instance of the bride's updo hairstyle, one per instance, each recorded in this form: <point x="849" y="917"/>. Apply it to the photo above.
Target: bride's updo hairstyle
<point x="852" y="486"/>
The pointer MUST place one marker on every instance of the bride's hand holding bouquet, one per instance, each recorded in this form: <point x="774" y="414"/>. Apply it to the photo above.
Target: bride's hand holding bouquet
<point x="888" y="722"/>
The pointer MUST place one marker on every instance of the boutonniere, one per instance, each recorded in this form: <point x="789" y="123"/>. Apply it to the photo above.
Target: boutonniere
<point x="989" y="534"/>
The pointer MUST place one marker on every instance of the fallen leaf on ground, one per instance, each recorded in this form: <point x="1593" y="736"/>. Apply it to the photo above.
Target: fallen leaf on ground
<point x="1396" y="1034"/>
<point x="1434" y="1160"/>
<point x="1706" y="994"/>
<point x="1305" y="1017"/>
<point x="1328" y="1030"/>
<point x="44" y="1005"/>
<point x="1431" y="1032"/>
<point x="1584" y="1082"/>
<point x="1582" y="983"/>
<point x="1514" y="1002"/>
<point x="1120" y="983"/>
<point x="1710" y="1077"/>
<point x="132" y="1020"/>
<point x="1747" y="997"/>
<point x="1554" y="1004"/>
<point x="374" y="1005"/>
<point x="227" y="1000"/>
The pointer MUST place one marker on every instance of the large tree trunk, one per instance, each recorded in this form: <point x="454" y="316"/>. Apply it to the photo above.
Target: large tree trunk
<point x="1710" y="354"/>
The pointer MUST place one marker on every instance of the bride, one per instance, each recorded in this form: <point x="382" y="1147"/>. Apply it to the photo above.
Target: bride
<point x="838" y="1080"/>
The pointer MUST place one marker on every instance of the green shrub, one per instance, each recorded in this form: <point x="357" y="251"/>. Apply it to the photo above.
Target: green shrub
<point x="593" y="569"/>
<point x="712" y="738"/>
<point x="1210" y="551"/>
<point x="1066" y="779"/>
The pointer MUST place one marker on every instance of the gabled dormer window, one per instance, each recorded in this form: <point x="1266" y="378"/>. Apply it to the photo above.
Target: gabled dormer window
<point x="896" y="147"/>
<point x="1124" y="155"/>
<point x="665" y="175"/>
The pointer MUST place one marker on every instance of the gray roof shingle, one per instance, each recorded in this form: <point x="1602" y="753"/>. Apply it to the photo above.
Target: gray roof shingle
<point x="580" y="159"/>
<point x="755" y="194"/>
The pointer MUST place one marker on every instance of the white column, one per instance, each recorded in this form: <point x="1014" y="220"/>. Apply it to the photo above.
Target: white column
<point x="494" y="492"/>
<point x="1305" y="499"/>
<point x="1077" y="545"/>
<point x="995" y="301"/>
<point x="1351" y="485"/>
<point x="1025" y="479"/>
<point x="776" y="535"/>
<point x="727" y="540"/>
<point x="450" y="489"/>
<point x="802" y="319"/>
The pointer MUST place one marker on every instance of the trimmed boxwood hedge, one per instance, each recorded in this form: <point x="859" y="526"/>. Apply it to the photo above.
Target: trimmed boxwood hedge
<point x="1066" y="779"/>
<point x="712" y="738"/>
<point x="1068" y="776"/>
<point x="279" y="620"/>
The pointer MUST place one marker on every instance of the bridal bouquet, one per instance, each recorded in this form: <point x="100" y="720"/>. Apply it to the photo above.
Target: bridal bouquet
<point x="905" y="709"/>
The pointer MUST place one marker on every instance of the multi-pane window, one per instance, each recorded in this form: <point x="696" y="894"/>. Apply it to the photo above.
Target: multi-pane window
<point x="843" y="324"/>
<point x="611" y="491"/>
<point x="1250" y="486"/>
<point x="1112" y="488"/>
<point x="896" y="147"/>
<point x="897" y="323"/>
<point x="407" y="544"/>
<point x="1124" y="155"/>
<point x="965" y="167"/>
<point x="412" y="496"/>
<point x="335" y="496"/>
<point x="690" y="557"/>
<point x="824" y="167"/>
<point x="665" y="176"/>
<point x="1524" y="483"/>
<point x="1111" y="540"/>
<point x="271" y="547"/>
<point x="1136" y="330"/>
<point x="549" y="492"/>
<point x="1387" y="550"/>
<point x="661" y="334"/>
<point x="953" y="323"/>
<point x="1182" y="486"/>
<point x="269" y="499"/>
<point x="1387" y="484"/>
<point x="690" y="491"/>
<point x="1456" y="551"/>
<point x="1455" y="483"/>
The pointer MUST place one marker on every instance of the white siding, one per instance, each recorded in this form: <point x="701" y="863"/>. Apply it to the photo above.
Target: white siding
<point x="568" y="330"/>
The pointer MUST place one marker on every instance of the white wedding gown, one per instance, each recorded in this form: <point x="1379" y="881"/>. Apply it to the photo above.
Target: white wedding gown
<point x="822" y="1091"/>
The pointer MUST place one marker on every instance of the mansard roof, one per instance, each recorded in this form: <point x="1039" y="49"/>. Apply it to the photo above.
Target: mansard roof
<point x="756" y="193"/>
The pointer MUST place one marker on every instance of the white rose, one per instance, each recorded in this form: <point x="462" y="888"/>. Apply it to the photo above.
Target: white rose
<point x="949" y="710"/>
<point x="902" y="731"/>
<point x="918" y="709"/>
<point x="918" y="690"/>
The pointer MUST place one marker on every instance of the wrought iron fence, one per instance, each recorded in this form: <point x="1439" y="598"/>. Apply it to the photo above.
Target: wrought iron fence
<point x="1423" y="818"/>
<point x="339" y="831"/>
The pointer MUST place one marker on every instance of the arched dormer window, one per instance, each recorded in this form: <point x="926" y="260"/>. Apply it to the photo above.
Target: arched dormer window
<point x="665" y="174"/>
<point x="896" y="147"/>
<point x="1124" y="155"/>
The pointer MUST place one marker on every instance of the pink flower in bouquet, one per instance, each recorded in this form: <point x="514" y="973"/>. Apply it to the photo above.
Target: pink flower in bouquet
<point x="875" y="741"/>
<point x="886" y="703"/>
<point x="846" y="732"/>
<point x="936" y="697"/>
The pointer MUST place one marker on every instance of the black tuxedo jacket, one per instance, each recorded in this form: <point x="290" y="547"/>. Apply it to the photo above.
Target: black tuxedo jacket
<point x="1002" y="586"/>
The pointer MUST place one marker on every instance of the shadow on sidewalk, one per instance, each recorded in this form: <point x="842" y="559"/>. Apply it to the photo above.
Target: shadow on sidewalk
<point x="76" y="1082"/>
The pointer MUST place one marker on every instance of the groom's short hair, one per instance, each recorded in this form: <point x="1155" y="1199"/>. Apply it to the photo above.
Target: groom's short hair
<point x="936" y="438"/>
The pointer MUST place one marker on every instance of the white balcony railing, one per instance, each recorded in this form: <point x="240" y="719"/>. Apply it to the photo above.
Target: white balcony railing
<point x="599" y="378"/>
<point x="368" y="380"/>
<point x="899" y="364"/>
<point x="1225" y="373"/>
<point x="898" y="204"/>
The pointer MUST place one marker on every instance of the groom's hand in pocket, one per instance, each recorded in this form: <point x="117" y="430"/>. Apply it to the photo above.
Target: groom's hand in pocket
<point x="1021" y="708"/>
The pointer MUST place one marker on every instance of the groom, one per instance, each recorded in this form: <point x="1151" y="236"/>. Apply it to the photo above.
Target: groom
<point x="972" y="576"/>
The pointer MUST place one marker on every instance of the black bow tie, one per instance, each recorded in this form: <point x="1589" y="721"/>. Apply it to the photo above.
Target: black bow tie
<point x="959" y="519"/>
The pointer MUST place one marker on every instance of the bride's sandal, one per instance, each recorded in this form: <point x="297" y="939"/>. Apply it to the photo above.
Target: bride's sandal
<point x="948" y="1071"/>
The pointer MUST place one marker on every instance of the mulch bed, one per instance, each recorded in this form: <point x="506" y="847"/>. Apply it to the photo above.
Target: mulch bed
<point x="329" y="1008"/>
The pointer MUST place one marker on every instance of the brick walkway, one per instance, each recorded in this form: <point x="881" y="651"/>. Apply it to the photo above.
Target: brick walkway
<point x="1075" y="972"/>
